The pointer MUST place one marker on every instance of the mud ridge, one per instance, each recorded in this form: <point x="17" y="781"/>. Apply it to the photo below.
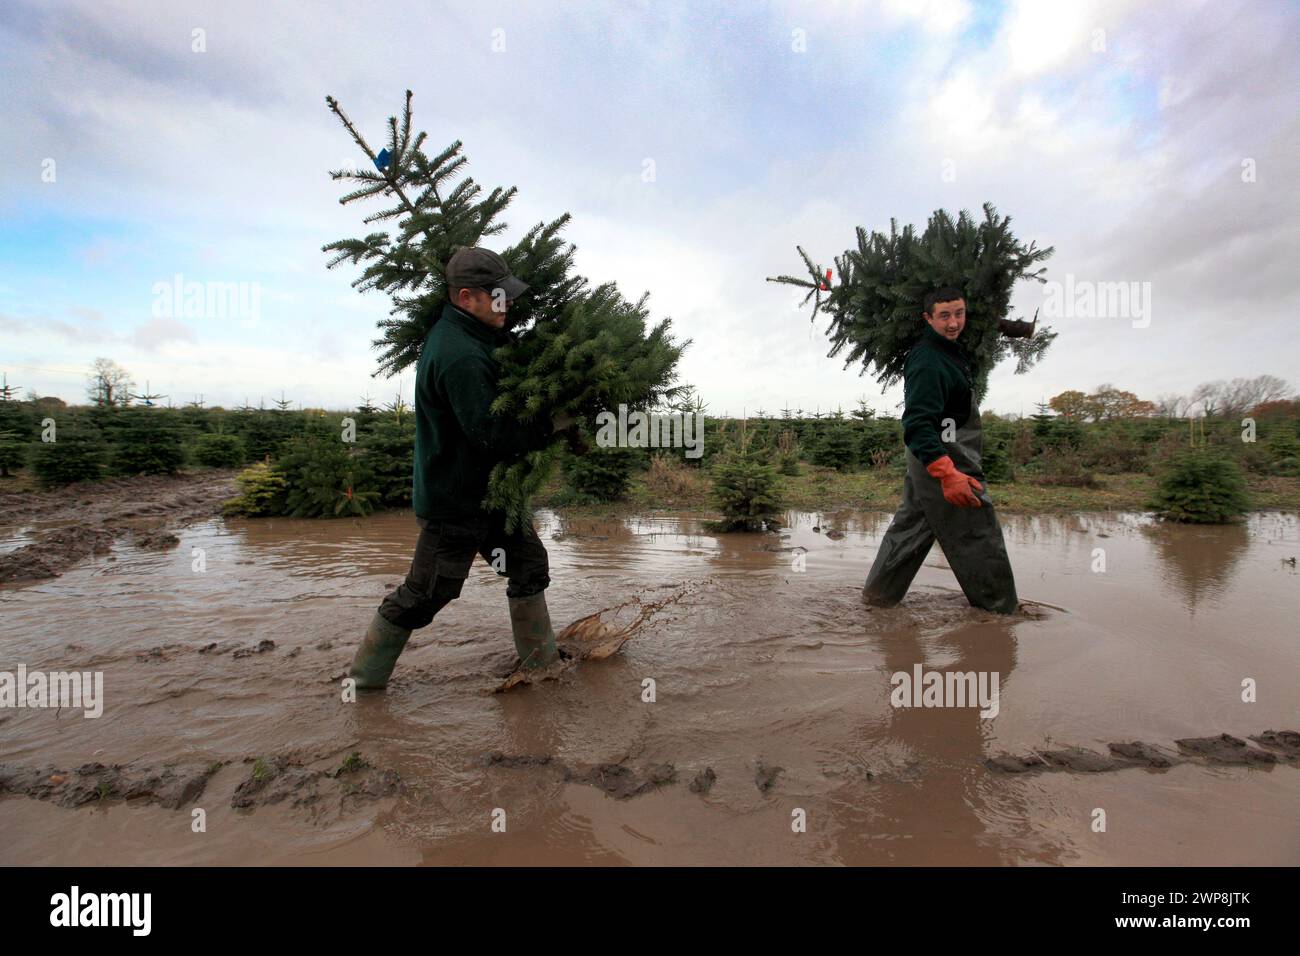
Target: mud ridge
<point x="624" y="783"/>
<point x="765" y="776"/>
<point x="616" y="779"/>
<point x="269" y="781"/>
<point x="170" y="787"/>
<point x="1224" y="750"/>
<point x="280" y="779"/>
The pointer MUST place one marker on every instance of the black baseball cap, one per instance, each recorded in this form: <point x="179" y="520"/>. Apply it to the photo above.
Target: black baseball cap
<point x="473" y="267"/>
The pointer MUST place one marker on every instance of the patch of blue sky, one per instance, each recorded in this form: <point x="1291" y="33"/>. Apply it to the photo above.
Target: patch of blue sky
<point x="982" y="25"/>
<point x="732" y="91"/>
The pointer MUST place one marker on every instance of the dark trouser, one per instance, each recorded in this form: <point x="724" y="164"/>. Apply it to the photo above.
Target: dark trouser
<point x="970" y="537"/>
<point x="443" y="556"/>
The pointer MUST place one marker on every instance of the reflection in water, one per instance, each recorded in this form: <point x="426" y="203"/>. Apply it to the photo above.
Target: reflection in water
<point x="1199" y="562"/>
<point x="947" y="820"/>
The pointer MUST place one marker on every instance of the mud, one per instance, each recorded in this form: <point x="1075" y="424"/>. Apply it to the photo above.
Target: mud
<point x="1137" y="752"/>
<point x="1286" y="741"/>
<point x="46" y="533"/>
<point x="272" y="781"/>
<point x="53" y="551"/>
<point x="1223" y="749"/>
<point x="765" y="776"/>
<point x="262" y="647"/>
<point x="168" y="787"/>
<point x="281" y="779"/>
<point x="704" y="781"/>
<point x="511" y="762"/>
<point x="713" y="685"/>
<point x="1226" y="749"/>
<point x="616" y="780"/>
<point x="624" y="783"/>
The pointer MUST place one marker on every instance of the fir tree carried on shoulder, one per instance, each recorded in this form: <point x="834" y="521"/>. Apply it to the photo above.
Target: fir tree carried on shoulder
<point x="874" y="310"/>
<point x="574" y="351"/>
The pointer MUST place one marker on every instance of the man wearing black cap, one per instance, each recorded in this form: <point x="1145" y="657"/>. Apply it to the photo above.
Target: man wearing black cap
<point x="457" y="441"/>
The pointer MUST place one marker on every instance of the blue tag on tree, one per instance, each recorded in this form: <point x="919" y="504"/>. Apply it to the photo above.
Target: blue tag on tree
<point x="381" y="161"/>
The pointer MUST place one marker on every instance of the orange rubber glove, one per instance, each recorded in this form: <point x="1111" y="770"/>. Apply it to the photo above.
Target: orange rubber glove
<point x="956" y="486"/>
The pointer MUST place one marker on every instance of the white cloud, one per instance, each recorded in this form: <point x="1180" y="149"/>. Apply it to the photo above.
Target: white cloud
<point x="156" y="333"/>
<point x="1040" y="37"/>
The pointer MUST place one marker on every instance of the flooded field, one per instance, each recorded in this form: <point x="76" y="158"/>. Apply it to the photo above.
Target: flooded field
<point x="771" y="697"/>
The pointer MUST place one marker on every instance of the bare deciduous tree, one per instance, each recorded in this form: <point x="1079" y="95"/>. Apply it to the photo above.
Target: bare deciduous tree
<point x="1239" y="396"/>
<point x="1172" y="405"/>
<point x="109" y="384"/>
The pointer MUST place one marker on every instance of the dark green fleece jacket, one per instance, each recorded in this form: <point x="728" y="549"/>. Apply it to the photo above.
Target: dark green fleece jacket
<point x="457" y="438"/>
<point x="936" y="385"/>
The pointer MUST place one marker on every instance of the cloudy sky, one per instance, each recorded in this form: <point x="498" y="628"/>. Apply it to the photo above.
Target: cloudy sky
<point x="1154" y="143"/>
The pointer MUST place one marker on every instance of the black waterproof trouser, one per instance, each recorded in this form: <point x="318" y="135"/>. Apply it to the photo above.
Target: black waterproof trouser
<point x="970" y="537"/>
<point x="444" y="554"/>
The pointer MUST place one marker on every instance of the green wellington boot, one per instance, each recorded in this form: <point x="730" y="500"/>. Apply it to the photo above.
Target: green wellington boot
<point x="378" y="652"/>
<point x="531" y="623"/>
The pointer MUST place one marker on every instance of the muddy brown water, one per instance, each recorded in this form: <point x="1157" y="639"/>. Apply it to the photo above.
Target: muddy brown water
<point x="772" y="690"/>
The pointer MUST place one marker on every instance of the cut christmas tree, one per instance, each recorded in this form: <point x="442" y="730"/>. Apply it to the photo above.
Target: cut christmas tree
<point x="875" y="310"/>
<point x="574" y="350"/>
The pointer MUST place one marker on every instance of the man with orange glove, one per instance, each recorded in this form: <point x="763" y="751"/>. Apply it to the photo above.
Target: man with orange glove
<point x="943" y="494"/>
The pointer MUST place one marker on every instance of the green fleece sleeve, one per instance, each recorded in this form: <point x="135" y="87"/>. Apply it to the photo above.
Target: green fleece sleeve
<point x="925" y="393"/>
<point x="471" y="389"/>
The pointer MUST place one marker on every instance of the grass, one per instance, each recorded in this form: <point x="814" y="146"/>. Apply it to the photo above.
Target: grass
<point x="824" y="489"/>
<point x="351" y="763"/>
<point x="20" y="482"/>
